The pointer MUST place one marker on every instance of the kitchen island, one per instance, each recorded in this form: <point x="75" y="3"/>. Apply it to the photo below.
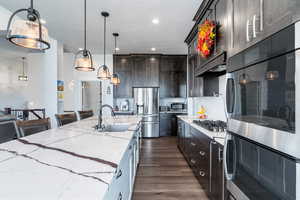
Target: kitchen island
<point x="71" y="162"/>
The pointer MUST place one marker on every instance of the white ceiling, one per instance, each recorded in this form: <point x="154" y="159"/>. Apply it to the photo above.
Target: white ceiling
<point x="131" y="18"/>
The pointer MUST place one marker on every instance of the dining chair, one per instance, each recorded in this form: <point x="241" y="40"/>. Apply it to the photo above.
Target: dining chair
<point x="85" y="114"/>
<point x="63" y="119"/>
<point x="30" y="127"/>
<point x="8" y="128"/>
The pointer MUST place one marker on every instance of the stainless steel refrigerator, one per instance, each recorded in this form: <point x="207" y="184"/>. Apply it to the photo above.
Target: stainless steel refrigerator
<point x="146" y="103"/>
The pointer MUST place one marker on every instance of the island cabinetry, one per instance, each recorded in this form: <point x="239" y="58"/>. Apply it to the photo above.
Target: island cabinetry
<point x="122" y="185"/>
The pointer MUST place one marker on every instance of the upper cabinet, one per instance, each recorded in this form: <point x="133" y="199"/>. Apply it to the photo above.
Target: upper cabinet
<point x="146" y="70"/>
<point x="254" y="20"/>
<point x="123" y="67"/>
<point x="173" y="76"/>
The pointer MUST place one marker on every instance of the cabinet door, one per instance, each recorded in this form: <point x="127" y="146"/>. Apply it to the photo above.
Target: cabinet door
<point x="216" y="171"/>
<point x="239" y="23"/>
<point x="123" y="67"/>
<point x="139" y="71"/>
<point x="152" y="71"/>
<point x="191" y="77"/>
<point x="165" y="125"/>
<point x="278" y="14"/>
<point x="221" y="13"/>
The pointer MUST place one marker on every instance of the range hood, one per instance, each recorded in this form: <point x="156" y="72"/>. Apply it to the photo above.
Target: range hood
<point x="216" y="64"/>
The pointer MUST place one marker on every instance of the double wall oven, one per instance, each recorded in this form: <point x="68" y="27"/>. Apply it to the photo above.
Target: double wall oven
<point x="262" y="147"/>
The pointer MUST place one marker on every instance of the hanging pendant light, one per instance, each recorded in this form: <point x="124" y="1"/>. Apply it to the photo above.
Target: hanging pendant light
<point x="28" y="33"/>
<point x="103" y="71"/>
<point x="83" y="58"/>
<point x="115" y="80"/>
<point x="23" y="77"/>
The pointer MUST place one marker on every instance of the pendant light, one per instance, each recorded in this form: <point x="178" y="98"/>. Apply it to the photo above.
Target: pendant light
<point x="23" y="77"/>
<point x="115" y="80"/>
<point x="83" y="58"/>
<point x="28" y="33"/>
<point x="103" y="71"/>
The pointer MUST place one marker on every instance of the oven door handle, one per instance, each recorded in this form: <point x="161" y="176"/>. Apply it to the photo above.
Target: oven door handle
<point x="230" y="94"/>
<point x="229" y="176"/>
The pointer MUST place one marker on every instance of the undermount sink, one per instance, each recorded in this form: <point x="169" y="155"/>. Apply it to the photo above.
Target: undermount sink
<point x="117" y="127"/>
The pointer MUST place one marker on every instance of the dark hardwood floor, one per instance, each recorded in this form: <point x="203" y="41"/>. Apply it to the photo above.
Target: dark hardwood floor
<point x="164" y="174"/>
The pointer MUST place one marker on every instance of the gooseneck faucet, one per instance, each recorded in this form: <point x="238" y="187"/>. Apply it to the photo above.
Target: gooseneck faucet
<point x="100" y="127"/>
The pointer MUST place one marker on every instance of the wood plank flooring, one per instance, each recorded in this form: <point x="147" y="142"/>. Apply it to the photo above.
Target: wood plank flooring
<point x="164" y="174"/>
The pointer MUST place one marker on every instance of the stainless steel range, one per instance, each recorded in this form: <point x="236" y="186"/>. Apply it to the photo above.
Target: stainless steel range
<point x="262" y="144"/>
<point x="211" y="125"/>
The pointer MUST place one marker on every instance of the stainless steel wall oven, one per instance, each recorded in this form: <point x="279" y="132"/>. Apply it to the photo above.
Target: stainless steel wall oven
<point x="263" y="103"/>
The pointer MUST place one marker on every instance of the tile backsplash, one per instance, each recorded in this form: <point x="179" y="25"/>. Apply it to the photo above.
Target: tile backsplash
<point x="215" y="107"/>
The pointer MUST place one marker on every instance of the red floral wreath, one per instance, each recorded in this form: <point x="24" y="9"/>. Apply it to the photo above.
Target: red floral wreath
<point x="206" y="38"/>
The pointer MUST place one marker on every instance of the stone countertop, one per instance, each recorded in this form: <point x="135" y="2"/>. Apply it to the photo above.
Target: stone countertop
<point x="71" y="162"/>
<point x="217" y="136"/>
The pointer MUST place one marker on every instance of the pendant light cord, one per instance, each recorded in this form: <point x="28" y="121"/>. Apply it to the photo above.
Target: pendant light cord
<point x="31" y="4"/>
<point x="104" y="39"/>
<point x="84" y="25"/>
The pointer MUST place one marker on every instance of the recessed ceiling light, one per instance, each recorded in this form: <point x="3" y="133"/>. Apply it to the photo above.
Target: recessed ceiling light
<point x="153" y="49"/>
<point x="117" y="49"/>
<point x="155" y="21"/>
<point x="43" y="21"/>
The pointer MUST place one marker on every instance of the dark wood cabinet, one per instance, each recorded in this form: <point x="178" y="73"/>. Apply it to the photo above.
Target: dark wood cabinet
<point x="165" y="71"/>
<point x="195" y="84"/>
<point x="173" y="76"/>
<point x="204" y="155"/>
<point x="216" y="168"/>
<point x="168" y="125"/>
<point x="252" y="21"/>
<point x="123" y="67"/>
<point x="146" y="70"/>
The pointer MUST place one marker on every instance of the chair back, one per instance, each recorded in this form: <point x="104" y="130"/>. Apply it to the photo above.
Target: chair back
<point x="63" y="119"/>
<point x="8" y="128"/>
<point x="30" y="127"/>
<point x="85" y="114"/>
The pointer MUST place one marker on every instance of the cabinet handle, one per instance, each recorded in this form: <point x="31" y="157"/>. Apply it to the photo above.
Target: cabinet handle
<point x="193" y="161"/>
<point x="120" y="197"/>
<point x="247" y="31"/>
<point x="202" y="173"/>
<point x="119" y="174"/>
<point x="193" y="144"/>
<point x="254" y="25"/>
<point x="261" y="13"/>
<point x="202" y="153"/>
<point x="220" y="158"/>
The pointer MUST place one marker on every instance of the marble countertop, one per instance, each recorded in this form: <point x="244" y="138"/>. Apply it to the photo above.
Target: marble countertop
<point x="217" y="136"/>
<point x="71" y="162"/>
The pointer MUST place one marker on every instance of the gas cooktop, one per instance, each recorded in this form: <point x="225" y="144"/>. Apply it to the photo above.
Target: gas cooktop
<point x="212" y="125"/>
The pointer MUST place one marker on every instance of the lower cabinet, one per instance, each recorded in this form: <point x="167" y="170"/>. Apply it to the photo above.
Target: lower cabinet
<point x="216" y="171"/>
<point x="121" y="188"/>
<point x="204" y="156"/>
